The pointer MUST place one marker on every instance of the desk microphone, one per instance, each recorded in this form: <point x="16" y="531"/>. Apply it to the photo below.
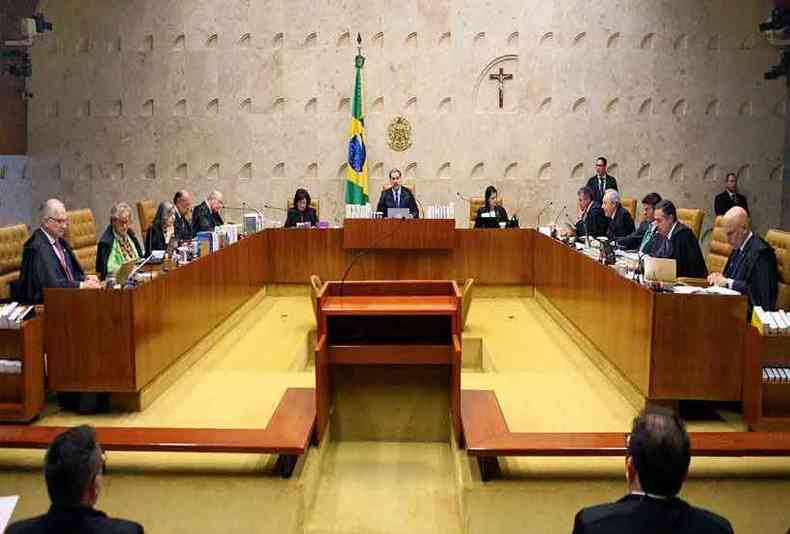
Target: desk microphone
<point x="421" y="212"/>
<point x="361" y="253"/>
<point x="541" y="212"/>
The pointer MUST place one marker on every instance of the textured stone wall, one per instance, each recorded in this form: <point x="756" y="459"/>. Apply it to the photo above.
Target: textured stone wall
<point x="16" y="191"/>
<point x="137" y="99"/>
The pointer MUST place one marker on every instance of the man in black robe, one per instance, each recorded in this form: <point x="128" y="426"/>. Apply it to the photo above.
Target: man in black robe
<point x="730" y="197"/>
<point x="590" y="218"/>
<point x="601" y="182"/>
<point x="397" y="196"/>
<point x="206" y="216"/>
<point x="641" y="238"/>
<point x="751" y="268"/>
<point x="621" y="223"/>
<point x="182" y="225"/>
<point x="657" y="462"/>
<point x="676" y="240"/>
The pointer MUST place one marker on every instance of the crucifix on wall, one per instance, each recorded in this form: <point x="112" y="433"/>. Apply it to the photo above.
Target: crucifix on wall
<point x="501" y="77"/>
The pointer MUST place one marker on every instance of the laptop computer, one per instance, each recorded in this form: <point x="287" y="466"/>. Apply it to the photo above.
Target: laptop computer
<point x="398" y="213"/>
<point x="660" y="269"/>
<point x="488" y="221"/>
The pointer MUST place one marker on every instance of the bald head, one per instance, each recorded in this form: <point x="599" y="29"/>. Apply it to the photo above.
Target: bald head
<point x="736" y="225"/>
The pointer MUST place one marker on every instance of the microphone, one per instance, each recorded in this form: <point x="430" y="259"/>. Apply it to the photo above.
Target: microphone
<point x="130" y="279"/>
<point x="421" y="212"/>
<point x="541" y="212"/>
<point x="270" y="207"/>
<point x="361" y="253"/>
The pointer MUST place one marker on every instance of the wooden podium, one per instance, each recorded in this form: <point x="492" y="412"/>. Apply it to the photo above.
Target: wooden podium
<point x="394" y="323"/>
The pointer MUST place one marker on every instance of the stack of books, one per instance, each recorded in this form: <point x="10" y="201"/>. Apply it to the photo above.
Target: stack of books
<point x="771" y="323"/>
<point x="776" y="375"/>
<point x="12" y="315"/>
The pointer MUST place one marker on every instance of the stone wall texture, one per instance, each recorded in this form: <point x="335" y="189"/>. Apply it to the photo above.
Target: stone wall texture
<point x="136" y="99"/>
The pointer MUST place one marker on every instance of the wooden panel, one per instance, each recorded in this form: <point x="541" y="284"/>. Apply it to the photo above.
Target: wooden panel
<point x="323" y="386"/>
<point x="492" y="256"/>
<point x="614" y="313"/>
<point x="399" y="234"/>
<point x="390" y="354"/>
<point x="698" y="347"/>
<point x="295" y="254"/>
<point x="371" y="288"/>
<point x="389" y="305"/>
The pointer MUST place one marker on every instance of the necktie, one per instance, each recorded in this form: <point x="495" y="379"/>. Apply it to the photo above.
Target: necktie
<point x="735" y="262"/>
<point x="64" y="262"/>
<point x="601" y="186"/>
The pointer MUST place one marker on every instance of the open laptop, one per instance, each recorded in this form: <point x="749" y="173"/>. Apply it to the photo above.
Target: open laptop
<point x="398" y="213"/>
<point x="660" y="269"/>
<point x="489" y="221"/>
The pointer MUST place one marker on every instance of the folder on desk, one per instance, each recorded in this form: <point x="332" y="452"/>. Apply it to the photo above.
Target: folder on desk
<point x="660" y="269"/>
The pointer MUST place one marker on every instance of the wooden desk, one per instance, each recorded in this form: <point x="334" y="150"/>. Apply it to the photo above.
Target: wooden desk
<point x="356" y="326"/>
<point x="22" y="395"/>
<point x="399" y="234"/>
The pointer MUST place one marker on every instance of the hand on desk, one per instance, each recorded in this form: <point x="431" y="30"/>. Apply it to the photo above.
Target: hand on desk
<point x="718" y="279"/>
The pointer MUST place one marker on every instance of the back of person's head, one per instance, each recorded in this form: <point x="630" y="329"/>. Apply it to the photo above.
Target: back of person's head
<point x="651" y="199"/>
<point x="660" y="450"/>
<point x="667" y="207"/>
<point x="72" y="461"/>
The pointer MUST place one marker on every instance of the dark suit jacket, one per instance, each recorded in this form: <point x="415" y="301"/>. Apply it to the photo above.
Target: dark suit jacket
<point x="621" y="225"/>
<point x="104" y="247"/>
<point x="182" y="228"/>
<point x="501" y="215"/>
<point x="594" y="184"/>
<point x="754" y="273"/>
<point x="407" y="200"/>
<point x="204" y="220"/>
<point x="723" y="202"/>
<point x="594" y="222"/>
<point x="684" y="249"/>
<point x="74" y="520"/>
<point x="634" y="239"/>
<point x="296" y="216"/>
<point x="634" y="514"/>
<point x="41" y="269"/>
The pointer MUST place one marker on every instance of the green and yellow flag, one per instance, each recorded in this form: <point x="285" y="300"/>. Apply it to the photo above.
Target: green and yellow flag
<point x="357" y="172"/>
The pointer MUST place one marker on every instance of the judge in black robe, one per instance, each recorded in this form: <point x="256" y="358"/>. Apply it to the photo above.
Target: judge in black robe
<point x="490" y="206"/>
<point x="182" y="224"/>
<point x="678" y="242"/>
<point x="641" y="238"/>
<point x="730" y="197"/>
<point x="397" y="196"/>
<point x="206" y="217"/>
<point x="591" y="219"/>
<point x="42" y="269"/>
<point x="162" y="228"/>
<point x="620" y="221"/>
<point x="301" y="212"/>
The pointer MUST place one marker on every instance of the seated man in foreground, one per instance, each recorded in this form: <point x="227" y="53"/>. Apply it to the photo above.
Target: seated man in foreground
<point x="675" y="240"/>
<point x="48" y="260"/>
<point x="751" y="268"/>
<point x="621" y="223"/>
<point x="642" y="237"/>
<point x="74" y="471"/>
<point x="656" y="465"/>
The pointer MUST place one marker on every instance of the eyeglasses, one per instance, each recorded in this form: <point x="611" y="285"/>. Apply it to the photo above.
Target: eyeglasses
<point x="59" y="221"/>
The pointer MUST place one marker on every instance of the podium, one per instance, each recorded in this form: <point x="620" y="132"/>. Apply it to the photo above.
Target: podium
<point x="407" y="326"/>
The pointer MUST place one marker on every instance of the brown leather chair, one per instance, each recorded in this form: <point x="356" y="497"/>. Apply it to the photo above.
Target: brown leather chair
<point x="466" y="300"/>
<point x="475" y="203"/>
<point x="692" y="217"/>
<point x="314" y="203"/>
<point x="81" y="235"/>
<point x="780" y="240"/>
<point x="12" y="241"/>
<point x="315" y="289"/>
<point x="146" y="211"/>
<point x="630" y="205"/>
<point x="720" y="249"/>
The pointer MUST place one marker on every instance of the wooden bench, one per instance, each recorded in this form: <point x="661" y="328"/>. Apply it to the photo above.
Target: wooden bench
<point x="487" y="436"/>
<point x="288" y="434"/>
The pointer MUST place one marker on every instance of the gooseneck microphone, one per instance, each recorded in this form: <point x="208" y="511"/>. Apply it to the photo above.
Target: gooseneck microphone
<point x="541" y="212"/>
<point x="557" y="218"/>
<point x="361" y="253"/>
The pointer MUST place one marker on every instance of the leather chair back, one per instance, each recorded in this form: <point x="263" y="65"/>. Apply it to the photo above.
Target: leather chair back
<point x="780" y="240"/>
<point x="146" y="211"/>
<point x="81" y="235"/>
<point x="466" y="301"/>
<point x="314" y="203"/>
<point x="720" y="249"/>
<point x="692" y="217"/>
<point x="315" y="289"/>
<point x="630" y="205"/>
<point x="475" y="203"/>
<point x="12" y="241"/>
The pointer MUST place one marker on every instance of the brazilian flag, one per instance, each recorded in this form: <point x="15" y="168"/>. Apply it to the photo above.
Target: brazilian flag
<point x="357" y="172"/>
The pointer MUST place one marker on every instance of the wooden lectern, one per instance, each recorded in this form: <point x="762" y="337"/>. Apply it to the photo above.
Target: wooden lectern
<point x="396" y="323"/>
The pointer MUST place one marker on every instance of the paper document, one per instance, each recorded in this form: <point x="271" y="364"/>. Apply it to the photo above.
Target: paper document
<point x="712" y="290"/>
<point x="7" y="505"/>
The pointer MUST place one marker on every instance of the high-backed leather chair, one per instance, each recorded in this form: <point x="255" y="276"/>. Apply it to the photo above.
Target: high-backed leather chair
<point x="720" y="249"/>
<point x="630" y="205"/>
<point x="146" y="211"/>
<point x="12" y="241"/>
<point x="475" y="203"/>
<point x="314" y="203"/>
<point x="315" y="289"/>
<point x="780" y="240"/>
<point x="692" y="217"/>
<point x="466" y="300"/>
<point x="81" y="235"/>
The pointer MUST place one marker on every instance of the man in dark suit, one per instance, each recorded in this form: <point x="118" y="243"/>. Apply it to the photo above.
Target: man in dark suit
<point x="676" y="240"/>
<point x="657" y="463"/>
<point x="641" y="238"/>
<point x="730" y="197"/>
<point x="751" y="268"/>
<point x="599" y="183"/>
<point x="48" y="260"/>
<point x="621" y="223"/>
<point x="206" y="216"/>
<point x="397" y="196"/>
<point x="590" y="218"/>
<point x="182" y="225"/>
<point x="74" y="471"/>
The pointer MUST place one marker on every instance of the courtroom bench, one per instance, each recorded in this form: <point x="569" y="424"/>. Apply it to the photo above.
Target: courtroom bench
<point x="487" y="436"/>
<point x="288" y="434"/>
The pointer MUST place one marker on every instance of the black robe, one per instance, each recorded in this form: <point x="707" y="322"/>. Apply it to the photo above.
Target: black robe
<point x="754" y="273"/>
<point x="182" y="228"/>
<point x="68" y="519"/>
<point x="594" y="223"/>
<point x="407" y="200"/>
<point x="205" y="220"/>
<point x="501" y="216"/>
<point x="610" y="182"/>
<point x="42" y="269"/>
<point x="104" y="248"/>
<point x="634" y="239"/>
<point x="155" y="239"/>
<point x="621" y="225"/>
<point x="723" y="202"/>
<point x="684" y="248"/>
<point x="295" y="216"/>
